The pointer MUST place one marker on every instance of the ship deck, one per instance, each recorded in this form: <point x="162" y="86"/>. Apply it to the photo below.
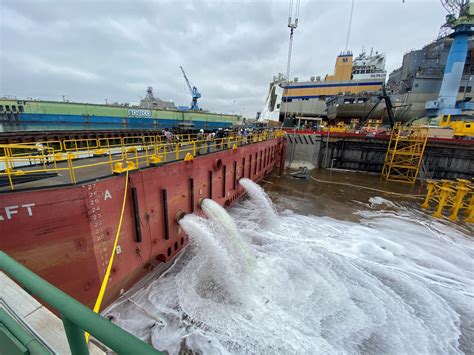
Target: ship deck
<point x="25" y="167"/>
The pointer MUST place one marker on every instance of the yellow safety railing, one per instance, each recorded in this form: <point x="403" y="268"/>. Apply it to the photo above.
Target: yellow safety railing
<point x="453" y="195"/>
<point x="115" y="155"/>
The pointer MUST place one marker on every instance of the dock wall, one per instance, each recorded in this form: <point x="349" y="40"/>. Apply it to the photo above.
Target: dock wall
<point x="443" y="159"/>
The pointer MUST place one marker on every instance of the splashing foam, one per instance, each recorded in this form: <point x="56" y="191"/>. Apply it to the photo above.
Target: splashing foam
<point x="263" y="204"/>
<point x="388" y="284"/>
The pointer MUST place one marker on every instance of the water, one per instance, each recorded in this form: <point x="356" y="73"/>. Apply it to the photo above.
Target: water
<point x="253" y="281"/>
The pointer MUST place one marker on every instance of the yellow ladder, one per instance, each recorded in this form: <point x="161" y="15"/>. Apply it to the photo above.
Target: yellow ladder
<point x="405" y="153"/>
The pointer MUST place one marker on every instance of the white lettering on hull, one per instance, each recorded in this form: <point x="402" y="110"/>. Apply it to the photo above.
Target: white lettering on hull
<point x="9" y="211"/>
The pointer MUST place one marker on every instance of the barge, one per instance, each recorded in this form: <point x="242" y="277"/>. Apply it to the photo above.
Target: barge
<point x="18" y="112"/>
<point x="63" y="227"/>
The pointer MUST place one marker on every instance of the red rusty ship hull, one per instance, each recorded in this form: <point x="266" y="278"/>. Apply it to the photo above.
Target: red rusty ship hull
<point x="65" y="234"/>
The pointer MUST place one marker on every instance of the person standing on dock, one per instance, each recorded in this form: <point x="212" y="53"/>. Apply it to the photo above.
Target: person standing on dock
<point x="209" y="138"/>
<point x="168" y="138"/>
<point x="220" y="138"/>
<point x="200" y="141"/>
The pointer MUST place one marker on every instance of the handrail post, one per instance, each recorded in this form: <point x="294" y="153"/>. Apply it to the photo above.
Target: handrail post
<point x="71" y="168"/>
<point x="75" y="337"/>
<point x="110" y="161"/>
<point x="8" y="170"/>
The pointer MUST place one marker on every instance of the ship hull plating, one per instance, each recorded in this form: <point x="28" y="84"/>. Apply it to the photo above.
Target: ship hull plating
<point x="66" y="234"/>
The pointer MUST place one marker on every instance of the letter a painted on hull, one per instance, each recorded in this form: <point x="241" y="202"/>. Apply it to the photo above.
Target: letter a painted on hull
<point x="107" y="195"/>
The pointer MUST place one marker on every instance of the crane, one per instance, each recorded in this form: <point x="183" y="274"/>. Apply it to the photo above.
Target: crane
<point x="461" y="21"/>
<point x="194" y="92"/>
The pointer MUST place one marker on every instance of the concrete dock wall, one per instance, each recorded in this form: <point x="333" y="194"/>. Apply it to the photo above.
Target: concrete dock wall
<point x="442" y="159"/>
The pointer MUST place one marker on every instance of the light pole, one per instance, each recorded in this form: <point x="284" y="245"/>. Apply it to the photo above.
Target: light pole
<point x="292" y="26"/>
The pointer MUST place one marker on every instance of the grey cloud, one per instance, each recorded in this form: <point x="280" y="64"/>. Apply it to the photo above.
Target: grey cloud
<point x="92" y="50"/>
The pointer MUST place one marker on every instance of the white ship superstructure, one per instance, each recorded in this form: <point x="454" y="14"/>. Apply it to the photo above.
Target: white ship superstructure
<point x="307" y="98"/>
<point x="370" y="66"/>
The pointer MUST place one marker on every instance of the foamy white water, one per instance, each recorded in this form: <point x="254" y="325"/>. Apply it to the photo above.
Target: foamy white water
<point x="397" y="282"/>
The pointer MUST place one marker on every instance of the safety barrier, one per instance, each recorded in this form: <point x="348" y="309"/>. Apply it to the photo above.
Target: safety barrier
<point x="117" y="155"/>
<point x="456" y="196"/>
<point x="76" y="317"/>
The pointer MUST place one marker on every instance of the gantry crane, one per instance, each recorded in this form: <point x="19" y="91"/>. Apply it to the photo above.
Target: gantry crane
<point x="461" y="21"/>
<point x="195" y="94"/>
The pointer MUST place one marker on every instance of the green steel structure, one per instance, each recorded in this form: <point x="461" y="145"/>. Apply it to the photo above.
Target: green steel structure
<point x="114" y="116"/>
<point x="76" y="317"/>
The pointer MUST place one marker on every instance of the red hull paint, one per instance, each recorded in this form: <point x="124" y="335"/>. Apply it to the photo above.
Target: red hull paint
<point x="65" y="234"/>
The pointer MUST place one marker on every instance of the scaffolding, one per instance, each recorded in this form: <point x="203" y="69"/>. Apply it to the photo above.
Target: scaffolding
<point x="405" y="153"/>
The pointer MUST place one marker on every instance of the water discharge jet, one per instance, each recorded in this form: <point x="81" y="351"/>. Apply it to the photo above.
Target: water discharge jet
<point x="262" y="201"/>
<point x="228" y="232"/>
<point x="387" y="284"/>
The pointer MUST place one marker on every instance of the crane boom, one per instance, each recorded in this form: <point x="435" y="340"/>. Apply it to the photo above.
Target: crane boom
<point x="195" y="94"/>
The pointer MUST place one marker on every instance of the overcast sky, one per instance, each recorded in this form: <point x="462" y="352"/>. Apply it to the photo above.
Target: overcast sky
<point x="92" y="50"/>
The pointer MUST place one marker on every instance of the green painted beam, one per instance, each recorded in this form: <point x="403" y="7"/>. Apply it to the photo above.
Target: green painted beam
<point x="76" y="313"/>
<point x="25" y="338"/>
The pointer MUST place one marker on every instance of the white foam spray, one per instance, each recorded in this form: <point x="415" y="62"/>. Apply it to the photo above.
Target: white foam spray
<point x="394" y="283"/>
<point x="263" y="204"/>
<point x="228" y="235"/>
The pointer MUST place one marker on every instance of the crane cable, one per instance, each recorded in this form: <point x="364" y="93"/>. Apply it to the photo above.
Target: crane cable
<point x="105" y="281"/>
<point x="349" y="27"/>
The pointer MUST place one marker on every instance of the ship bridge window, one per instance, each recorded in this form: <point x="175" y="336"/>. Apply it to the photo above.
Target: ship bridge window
<point x="13" y="108"/>
<point x="20" y="108"/>
<point x="1" y="107"/>
<point x="7" y="108"/>
<point x="468" y="89"/>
